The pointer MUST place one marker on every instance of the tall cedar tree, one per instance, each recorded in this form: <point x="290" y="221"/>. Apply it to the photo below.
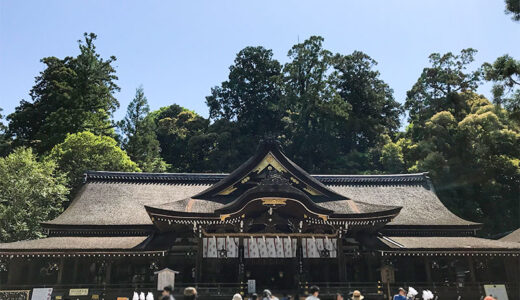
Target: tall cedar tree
<point x="138" y="135"/>
<point x="505" y="73"/>
<point x="183" y="138"/>
<point x="375" y="114"/>
<point x="316" y="114"/>
<point x="72" y="94"/>
<point x="439" y="85"/>
<point x="250" y="101"/>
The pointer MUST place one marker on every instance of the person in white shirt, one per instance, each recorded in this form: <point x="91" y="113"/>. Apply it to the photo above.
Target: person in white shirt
<point x="315" y="291"/>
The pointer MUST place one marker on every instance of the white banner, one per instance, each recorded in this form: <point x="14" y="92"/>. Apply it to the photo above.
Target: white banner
<point x="220" y="247"/>
<point x="268" y="247"/>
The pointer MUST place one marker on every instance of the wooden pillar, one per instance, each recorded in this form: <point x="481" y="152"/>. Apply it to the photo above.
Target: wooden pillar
<point x="342" y="272"/>
<point x="428" y="269"/>
<point x="471" y="267"/>
<point x="368" y="260"/>
<point x="61" y="267"/>
<point x="241" y="264"/>
<point x="12" y="270"/>
<point x="299" y="266"/>
<point x="198" y="262"/>
<point x="75" y="271"/>
<point x="108" y="271"/>
<point x="512" y="269"/>
<point x="31" y="265"/>
<point x="299" y="256"/>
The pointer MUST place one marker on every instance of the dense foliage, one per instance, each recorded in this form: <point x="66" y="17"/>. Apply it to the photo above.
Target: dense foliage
<point x="505" y="73"/>
<point x="30" y="192"/>
<point x="513" y="8"/>
<point x="332" y="112"/>
<point x="71" y="95"/>
<point x="84" y="151"/>
<point x="139" y="138"/>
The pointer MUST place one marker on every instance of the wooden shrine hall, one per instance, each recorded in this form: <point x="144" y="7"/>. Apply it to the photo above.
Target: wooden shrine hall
<point x="269" y="223"/>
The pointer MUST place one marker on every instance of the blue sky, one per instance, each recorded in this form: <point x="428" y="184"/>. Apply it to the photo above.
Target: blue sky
<point x="178" y="50"/>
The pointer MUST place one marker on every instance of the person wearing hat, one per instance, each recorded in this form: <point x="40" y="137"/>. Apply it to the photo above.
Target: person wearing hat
<point x="315" y="291"/>
<point x="167" y="293"/>
<point x="356" y="295"/>
<point x="401" y="295"/>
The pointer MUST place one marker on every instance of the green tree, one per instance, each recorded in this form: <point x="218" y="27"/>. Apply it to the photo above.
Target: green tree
<point x="71" y="95"/>
<point x="84" y="151"/>
<point x="513" y="8"/>
<point x="245" y="108"/>
<point x="251" y="95"/>
<point x="505" y="73"/>
<point x="391" y="159"/>
<point x="315" y="112"/>
<point x="30" y="192"/>
<point x="474" y="162"/>
<point x="374" y="110"/>
<point x="139" y="139"/>
<point x="4" y="140"/>
<point x="439" y="85"/>
<point x="182" y="137"/>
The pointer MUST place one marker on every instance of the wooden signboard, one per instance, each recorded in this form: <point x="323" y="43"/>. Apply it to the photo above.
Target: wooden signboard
<point x="387" y="274"/>
<point x="165" y="277"/>
<point x="41" y="294"/>
<point x="14" y="294"/>
<point x="78" y="292"/>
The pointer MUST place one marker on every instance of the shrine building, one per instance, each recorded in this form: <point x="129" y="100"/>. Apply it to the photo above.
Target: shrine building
<point x="268" y="223"/>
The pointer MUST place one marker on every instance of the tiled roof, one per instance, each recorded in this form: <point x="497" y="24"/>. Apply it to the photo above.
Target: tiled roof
<point x="441" y="243"/>
<point x="76" y="243"/>
<point x="114" y="198"/>
<point x="512" y="237"/>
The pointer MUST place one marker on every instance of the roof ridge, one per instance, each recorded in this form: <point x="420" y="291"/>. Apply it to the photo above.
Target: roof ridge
<point x="214" y="177"/>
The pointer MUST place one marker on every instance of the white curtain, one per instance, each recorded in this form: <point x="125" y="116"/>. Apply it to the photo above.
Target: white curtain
<point x="268" y="247"/>
<point x="211" y="247"/>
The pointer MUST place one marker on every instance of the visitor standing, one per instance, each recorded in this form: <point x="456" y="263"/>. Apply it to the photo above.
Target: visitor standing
<point x="356" y="295"/>
<point x="401" y="294"/>
<point x="267" y="295"/>
<point x="167" y="293"/>
<point x="339" y="296"/>
<point x="190" y="293"/>
<point x="237" y="297"/>
<point x="315" y="291"/>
